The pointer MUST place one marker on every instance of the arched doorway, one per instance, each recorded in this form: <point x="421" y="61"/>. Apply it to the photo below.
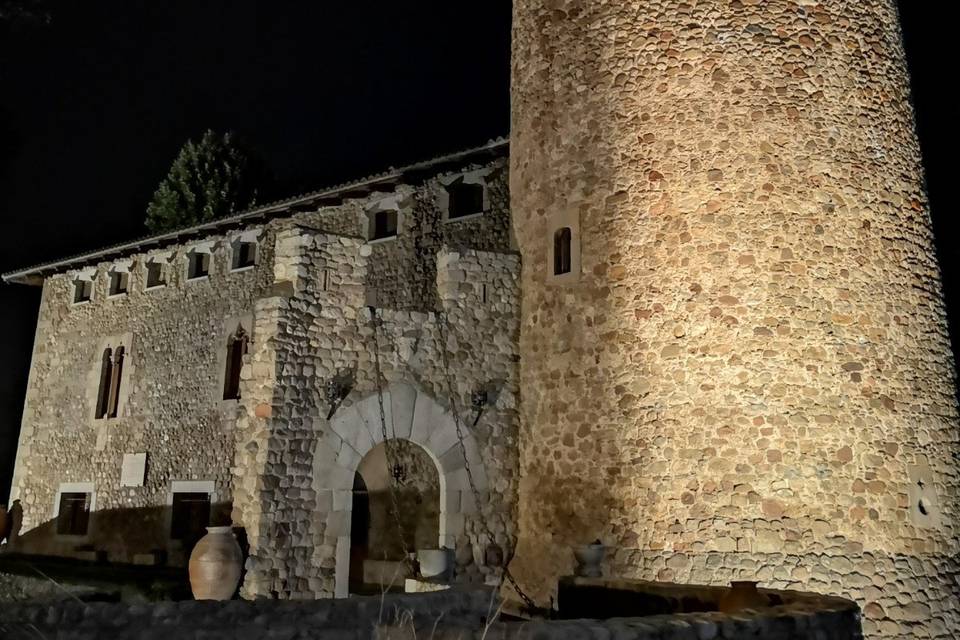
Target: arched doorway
<point x="355" y="431"/>
<point x="396" y="470"/>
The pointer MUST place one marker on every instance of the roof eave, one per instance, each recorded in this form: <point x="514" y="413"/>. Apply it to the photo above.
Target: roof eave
<point x="35" y="275"/>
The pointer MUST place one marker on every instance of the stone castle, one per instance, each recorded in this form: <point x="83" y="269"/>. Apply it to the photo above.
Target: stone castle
<point x="694" y="311"/>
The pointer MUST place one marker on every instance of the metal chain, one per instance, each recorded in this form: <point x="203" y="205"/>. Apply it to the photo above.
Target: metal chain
<point x="505" y="574"/>
<point x="388" y="442"/>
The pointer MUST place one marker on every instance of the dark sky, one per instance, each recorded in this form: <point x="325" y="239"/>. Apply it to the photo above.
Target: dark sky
<point x="95" y="105"/>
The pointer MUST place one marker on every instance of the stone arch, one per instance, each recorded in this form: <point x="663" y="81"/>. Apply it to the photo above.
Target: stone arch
<point x="412" y="415"/>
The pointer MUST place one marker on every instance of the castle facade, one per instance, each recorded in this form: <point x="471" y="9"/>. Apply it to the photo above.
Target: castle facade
<point x="726" y="353"/>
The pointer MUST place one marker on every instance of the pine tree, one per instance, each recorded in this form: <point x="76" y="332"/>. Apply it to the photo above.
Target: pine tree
<point x="208" y="180"/>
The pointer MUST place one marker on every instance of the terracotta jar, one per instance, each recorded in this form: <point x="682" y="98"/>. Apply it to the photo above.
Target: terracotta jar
<point x="215" y="565"/>
<point x="742" y="594"/>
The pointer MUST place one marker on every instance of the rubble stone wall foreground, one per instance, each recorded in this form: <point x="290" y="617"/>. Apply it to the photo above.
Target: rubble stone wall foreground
<point x="748" y="369"/>
<point x="463" y="615"/>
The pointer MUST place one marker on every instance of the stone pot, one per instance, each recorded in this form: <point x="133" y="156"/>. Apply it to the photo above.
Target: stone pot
<point x="436" y="563"/>
<point x="742" y="594"/>
<point x="215" y="565"/>
<point x="589" y="557"/>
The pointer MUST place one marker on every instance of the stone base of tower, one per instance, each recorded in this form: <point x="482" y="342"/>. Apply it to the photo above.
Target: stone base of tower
<point x="900" y="596"/>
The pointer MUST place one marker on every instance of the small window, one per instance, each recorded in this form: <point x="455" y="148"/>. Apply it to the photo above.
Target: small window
<point x="198" y="265"/>
<point x="155" y="276"/>
<point x="244" y="255"/>
<point x="190" y="516"/>
<point x="103" y="393"/>
<point x="119" y="281"/>
<point x="82" y="290"/>
<point x="466" y="199"/>
<point x="111" y="375"/>
<point x="116" y="375"/>
<point x="383" y="224"/>
<point x="561" y="251"/>
<point x="236" y="348"/>
<point x="73" y="515"/>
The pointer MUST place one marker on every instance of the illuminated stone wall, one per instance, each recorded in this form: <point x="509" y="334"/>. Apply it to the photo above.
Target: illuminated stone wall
<point x="750" y="373"/>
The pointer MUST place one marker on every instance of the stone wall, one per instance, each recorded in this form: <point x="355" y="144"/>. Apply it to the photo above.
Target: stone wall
<point x="751" y="364"/>
<point x="297" y="454"/>
<point x="171" y="405"/>
<point x="308" y="320"/>
<point x="401" y="272"/>
<point x="467" y="615"/>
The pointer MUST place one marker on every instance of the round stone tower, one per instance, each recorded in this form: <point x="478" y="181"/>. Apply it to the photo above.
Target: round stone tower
<point x="735" y="359"/>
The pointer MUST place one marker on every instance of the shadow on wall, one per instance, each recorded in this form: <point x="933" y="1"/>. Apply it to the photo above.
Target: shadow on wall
<point x="151" y="536"/>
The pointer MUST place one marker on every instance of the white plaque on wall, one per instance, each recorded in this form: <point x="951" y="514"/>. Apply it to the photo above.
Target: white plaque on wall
<point x="134" y="469"/>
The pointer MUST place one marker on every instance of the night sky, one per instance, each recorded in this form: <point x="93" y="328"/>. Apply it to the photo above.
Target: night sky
<point x="95" y="104"/>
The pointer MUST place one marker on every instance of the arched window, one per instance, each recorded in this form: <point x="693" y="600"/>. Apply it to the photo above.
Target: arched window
<point x="236" y="349"/>
<point x="561" y="251"/>
<point x="103" y="392"/>
<point x="466" y="199"/>
<point x="113" y="406"/>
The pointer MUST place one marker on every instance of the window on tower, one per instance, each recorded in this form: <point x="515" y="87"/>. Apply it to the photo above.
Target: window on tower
<point x="562" y="240"/>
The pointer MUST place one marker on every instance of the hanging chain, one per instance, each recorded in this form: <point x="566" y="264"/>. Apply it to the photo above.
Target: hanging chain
<point x="505" y="574"/>
<point x="388" y="443"/>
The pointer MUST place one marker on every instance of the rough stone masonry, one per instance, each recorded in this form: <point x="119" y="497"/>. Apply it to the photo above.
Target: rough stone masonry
<point x="726" y="355"/>
<point x="749" y="375"/>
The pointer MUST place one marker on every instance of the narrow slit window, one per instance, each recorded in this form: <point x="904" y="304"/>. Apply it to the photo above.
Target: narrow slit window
<point x="236" y="348"/>
<point x="244" y="255"/>
<point x="383" y="224"/>
<point x="466" y="199"/>
<point x="119" y="282"/>
<point x="73" y="515"/>
<point x="82" y="290"/>
<point x="198" y="265"/>
<point x="155" y="274"/>
<point x="103" y="392"/>
<point x="190" y="516"/>
<point x="562" y="239"/>
<point x="116" y="376"/>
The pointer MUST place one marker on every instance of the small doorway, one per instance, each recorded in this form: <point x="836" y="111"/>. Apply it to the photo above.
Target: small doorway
<point x="359" y="533"/>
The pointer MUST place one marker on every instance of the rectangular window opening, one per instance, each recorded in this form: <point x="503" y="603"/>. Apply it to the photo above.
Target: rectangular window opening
<point x="383" y="224"/>
<point x="155" y="274"/>
<point x="244" y="255"/>
<point x="466" y="199"/>
<point x="199" y="265"/>
<point x="119" y="281"/>
<point x="82" y="290"/>
<point x="562" y="240"/>
<point x="190" y="516"/>
<point x="73" y="516"/>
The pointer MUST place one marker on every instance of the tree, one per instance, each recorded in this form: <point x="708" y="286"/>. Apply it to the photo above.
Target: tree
<point x="24" y="11"/>
<point x="208" y="180"/>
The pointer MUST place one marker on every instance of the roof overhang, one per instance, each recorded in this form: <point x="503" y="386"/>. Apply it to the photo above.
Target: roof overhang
<point x="386" y="181"/>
